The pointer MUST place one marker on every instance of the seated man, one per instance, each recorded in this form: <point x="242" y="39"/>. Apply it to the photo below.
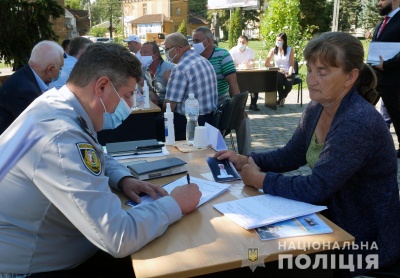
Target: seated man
<point x="29" y="82"/>
<point x="191" y="74"/>
<point x="243" y="57"/>
<point x="156" y="71"/>
<point x="57" y="211"/>
<point x="76" y="47"/>
<point x="228" y="87"/>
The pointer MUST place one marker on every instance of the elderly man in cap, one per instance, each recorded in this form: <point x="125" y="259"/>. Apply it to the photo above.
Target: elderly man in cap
<point x="134" y="44"/>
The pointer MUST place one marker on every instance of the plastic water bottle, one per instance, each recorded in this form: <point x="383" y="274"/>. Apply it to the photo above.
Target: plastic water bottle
<point x="169" y="126"/>
<point x="146" y="96"/>
<point x="192" y="115"/>
<point x="259" y="63"/>
<point x="139" y="100"/>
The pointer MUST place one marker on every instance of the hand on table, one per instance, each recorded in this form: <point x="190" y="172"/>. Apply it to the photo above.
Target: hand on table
<point x="251" y="174"/>
<point x="133" y="187"/>
<point x="187" y="196"/>
<point x="237" y="160"/>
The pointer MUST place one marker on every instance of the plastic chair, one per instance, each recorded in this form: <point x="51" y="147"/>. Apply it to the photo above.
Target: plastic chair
<point x="228" y="117"/>
<point x="298" y="81"/>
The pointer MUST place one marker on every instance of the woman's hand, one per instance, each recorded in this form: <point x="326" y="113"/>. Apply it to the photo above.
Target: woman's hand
<point x="251" y="174"/>
<point x="237" y="160"/>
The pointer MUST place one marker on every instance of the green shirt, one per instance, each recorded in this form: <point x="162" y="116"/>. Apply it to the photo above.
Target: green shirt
<point x="223" y="65"/>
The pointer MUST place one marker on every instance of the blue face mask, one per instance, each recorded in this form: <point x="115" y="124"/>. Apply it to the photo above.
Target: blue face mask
<point x="122" y="111"/>
<point x="53" y="79"/>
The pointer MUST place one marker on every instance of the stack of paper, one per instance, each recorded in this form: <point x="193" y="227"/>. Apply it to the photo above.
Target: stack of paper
<point x="209" y="190"/>
<point x="261" y="210"/>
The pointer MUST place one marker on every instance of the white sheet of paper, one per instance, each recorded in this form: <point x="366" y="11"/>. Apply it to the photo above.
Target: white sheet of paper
<point x="16" y="143"/>
<point x="208" y="189"/>
<point x="261" y="210"/>
<point x="385" y="49"/>
<point x="215" y="138"/>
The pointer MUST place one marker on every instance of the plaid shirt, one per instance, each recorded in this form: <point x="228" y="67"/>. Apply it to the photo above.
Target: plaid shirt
<point x="193" y="74"/>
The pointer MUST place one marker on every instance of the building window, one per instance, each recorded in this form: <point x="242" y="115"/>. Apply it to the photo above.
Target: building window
<point x="178" y="11"/>
<point x="144" y="9"/>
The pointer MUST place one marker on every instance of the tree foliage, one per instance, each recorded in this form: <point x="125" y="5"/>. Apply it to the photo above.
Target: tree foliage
<point x="103" y="10"/>
<point x="24" y="23"/>
<point x="349" y="11"/>
<point x="182" y="28"/>
<point x="283" y="16"/>
<point x="235" y="28"/>
<point x="315" y="16"/>
<point x="198" y="7"/>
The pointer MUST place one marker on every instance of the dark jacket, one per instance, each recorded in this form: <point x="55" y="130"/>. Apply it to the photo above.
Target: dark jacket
<point x="355" y="176"/>
<point x="391" y="33"/>
<point x="19" y="90"/>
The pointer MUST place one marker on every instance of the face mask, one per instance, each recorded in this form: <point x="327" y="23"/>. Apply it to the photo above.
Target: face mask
<point x="53" y="79"/>
<point x="146" y="60"/>
<point x="279" y="44"/>
<point x="242" y="47"/>
<point x="122" y="111"/>
<point x="168" y="57"/>
<point x="199" y="47"/>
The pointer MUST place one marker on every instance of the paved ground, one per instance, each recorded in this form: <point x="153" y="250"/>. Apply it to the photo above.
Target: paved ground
<point x="273" y="128"/>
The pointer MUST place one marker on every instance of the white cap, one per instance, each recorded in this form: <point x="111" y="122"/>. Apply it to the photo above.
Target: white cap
<point x="191" y="95"/>
<point x="133" y="38"/>
<point x="168" y="107"/>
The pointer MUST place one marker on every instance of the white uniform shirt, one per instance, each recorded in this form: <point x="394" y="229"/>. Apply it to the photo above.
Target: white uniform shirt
<point x="56" y="206"/>
<point x="241" y="57"/>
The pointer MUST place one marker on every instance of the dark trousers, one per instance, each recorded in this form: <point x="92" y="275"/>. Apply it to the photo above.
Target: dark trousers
<point x="391" y="97"/>
<point x="253" y="98"/>
<point x="284" y="85"/>
<point x="179" y="125"/>
<point x="100" y="265"/>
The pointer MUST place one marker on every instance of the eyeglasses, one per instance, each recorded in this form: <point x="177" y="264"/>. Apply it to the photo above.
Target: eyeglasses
<point x="169" y="49"/>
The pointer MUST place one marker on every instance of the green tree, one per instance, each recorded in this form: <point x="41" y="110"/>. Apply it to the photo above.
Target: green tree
<point x="348" y="14"/>
<point x="315" y="15"/>
<point x="103" y="10"/>
<point x="24" y="23"/>
<point x="235" y="28"/>
<point x="198" y="7"/>
<point x="73" y="4"/>
<point x="98" y="31"/>
<point x="182" y="28"/>
<point x="370" y="16"/>
<point x="283" y="16"/>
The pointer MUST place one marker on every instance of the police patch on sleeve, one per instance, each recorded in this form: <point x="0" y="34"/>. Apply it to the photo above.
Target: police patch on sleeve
<point x="89" y="158"/>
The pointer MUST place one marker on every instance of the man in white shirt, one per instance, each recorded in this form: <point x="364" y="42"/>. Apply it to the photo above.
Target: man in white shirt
<point x="243" y="57"/>
<point x="134" y="44"/>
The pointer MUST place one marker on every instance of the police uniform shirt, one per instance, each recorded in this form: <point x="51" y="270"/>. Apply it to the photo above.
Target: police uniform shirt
<point x="56" y="206"/>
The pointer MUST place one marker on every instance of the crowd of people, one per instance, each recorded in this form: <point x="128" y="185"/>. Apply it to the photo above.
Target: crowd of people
<point x="77" y="89"/>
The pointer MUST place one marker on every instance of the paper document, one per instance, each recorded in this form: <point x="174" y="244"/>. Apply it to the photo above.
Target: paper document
<point x="309" y="224"/>
<point x="265" y="209"/>
<point x="385" y="49"/>
<point x="13" y="145"/>
<point x="215" y="138"/>
<point x="208" y="189"/>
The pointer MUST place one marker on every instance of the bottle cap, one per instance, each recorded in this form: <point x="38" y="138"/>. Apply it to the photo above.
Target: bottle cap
<point x="168" y="107"/>
<point x="191" y="95"/>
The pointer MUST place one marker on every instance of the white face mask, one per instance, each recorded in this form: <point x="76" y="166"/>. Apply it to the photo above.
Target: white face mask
<point x="242" y="47"/>
<point x="169" y="58"/>
<point x="279" y="44"/>
<point x="146" y="60"/>
<point x="199" y="47"/>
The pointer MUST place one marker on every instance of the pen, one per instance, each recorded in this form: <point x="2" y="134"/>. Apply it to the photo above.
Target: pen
<point x="188" y="177"/>
<point x="150" y="147"/>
